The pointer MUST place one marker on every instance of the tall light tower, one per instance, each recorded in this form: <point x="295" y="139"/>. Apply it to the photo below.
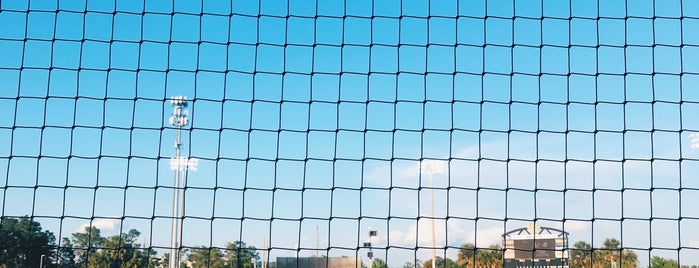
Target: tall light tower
<point x="432" y="166"/>
<point x="179" y="164"/>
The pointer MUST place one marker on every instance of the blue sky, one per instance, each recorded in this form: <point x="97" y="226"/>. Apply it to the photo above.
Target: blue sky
<point x="324" y="110"/>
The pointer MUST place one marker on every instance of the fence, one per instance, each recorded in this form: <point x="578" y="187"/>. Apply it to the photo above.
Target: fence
<point x="432" y="124"/>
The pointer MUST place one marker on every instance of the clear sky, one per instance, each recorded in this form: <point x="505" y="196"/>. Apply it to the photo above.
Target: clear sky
<point x="313" y="115"/>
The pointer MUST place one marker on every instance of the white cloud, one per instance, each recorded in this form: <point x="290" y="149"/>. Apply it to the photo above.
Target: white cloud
<point x="456" y="233"/>
<point x="105" y="225"/>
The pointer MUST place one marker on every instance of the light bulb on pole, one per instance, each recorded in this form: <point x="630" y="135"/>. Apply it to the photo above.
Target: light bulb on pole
<point x="432" y="166"/>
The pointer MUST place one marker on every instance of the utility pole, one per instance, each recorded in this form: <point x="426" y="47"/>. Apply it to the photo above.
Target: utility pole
<point x="432" y="167"/>
<point x="264" y="252"/>
<point x="179" y="164"/>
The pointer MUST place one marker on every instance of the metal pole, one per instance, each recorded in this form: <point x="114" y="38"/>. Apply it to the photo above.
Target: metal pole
<point x="264" y="252"/>
<point x="41" y="261"/>
<point x="371" y="245"/>
<point x="434" y="244"/>
<point x="181" y="213"/>
<point x="174" y="238"/>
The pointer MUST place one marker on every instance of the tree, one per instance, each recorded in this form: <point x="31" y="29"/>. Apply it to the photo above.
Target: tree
<point x="66" y="254"/>
<point x="659" y="262"/>
<point x="490" y="257"/>
<point x="22" y="243"/>
<point x="86" y="244"/>
<point x="210" y="257"/>
<point x="629" y="259"/>
<point x="440" y="263"/>
<point x="378" y="263"/>
<point x="581" y="255"/>
<point x="240" y="255"/>
<point x="467" y="255"/>
<point x="122" y="250"/>
<point x="611" y="252"/>
<point x="416" y="264"/>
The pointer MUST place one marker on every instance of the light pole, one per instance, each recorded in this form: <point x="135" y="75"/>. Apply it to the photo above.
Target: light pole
<point x="179" y="164"/>
<point x="41" y="261"/>
<point x="432" y="166"/>
<point x="370" y="254"/>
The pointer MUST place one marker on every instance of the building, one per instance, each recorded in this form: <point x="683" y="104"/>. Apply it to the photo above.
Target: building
<point x="536" y="246"/>
<point x="319" y="262"/>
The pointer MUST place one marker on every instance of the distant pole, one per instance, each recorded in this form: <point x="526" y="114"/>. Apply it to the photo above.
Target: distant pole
<point x="432" y="167"/>
<point x="179" y="118"/>
<point x="317" y="244"/>
<point x="264" y="252"/>
<point x="434" y="243"/>
<point x="41" y="261"/>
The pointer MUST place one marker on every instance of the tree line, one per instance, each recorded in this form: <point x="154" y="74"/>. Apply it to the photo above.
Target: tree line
<point x="23" y="243"/>
<point x="581" y="255"/>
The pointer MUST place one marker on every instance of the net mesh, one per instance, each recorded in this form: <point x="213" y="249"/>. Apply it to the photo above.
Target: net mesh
<point x="315" y="121"/>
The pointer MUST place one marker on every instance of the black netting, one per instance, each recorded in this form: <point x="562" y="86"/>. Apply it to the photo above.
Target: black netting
<point x="403" y="129"/>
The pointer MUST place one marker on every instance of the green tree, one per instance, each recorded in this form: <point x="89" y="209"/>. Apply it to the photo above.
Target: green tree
<point x="240" y="255"/>
<point x="659" y="262"/>
<point x="467" y="255"/>
<point x="629" y="259"/>
<point x="93" y="250"/>
<point x="86" y="244"/>
<point x="440" y="263"/>
<point x="611" y="252"/>
<point x="66" y="254"/>
<point x="378" y="263"/>
<point x="204" y="257"/>
<point x="490" y="257"/>
<point x="22" y="243"/>
<point x="416" y="264"/>
<point x="122" y="251"/>
<point x="581" y="255"/>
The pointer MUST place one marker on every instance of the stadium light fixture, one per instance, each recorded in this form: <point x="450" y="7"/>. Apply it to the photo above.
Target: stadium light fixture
<point x="694" y="139"/>
<point x="432" y="166"/>
<point x="179" y="164"/>
<point x="370" y="254"/>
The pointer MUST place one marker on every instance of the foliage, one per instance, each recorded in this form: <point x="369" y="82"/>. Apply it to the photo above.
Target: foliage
<point x="236" y="254"/>
<point x="490" y="257"/>
<point x="416" y="264"/>
<point x="66" y="254"/>
<point x="206" y="257"/>
<point x="378" y="263"/>
<point x="440" y="263"/>
<point x="584" y="256"/>
<point x="93" y="250"/>
<point x="240" y="255"/>
<point x="469" y="256"/>
<point x="581" y="255"/>
<point x="22" y="243"/>
<point x="659" y="262"/>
